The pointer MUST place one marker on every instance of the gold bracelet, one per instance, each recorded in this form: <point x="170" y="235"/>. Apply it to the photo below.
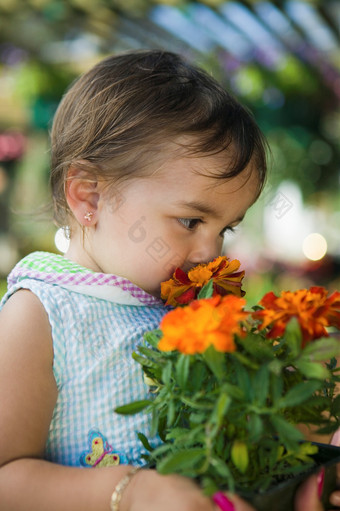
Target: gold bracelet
<point x="118" y="491"/>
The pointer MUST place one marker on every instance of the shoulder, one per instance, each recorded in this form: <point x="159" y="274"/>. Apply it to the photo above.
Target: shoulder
<point x="24" y="321"/>
<point x="27" y="387"/>
<point x="23" y="303"/>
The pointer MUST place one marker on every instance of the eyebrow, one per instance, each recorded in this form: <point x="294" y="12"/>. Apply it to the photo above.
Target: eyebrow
<point x="204" y="208"/>
<point x="199" y="206"/>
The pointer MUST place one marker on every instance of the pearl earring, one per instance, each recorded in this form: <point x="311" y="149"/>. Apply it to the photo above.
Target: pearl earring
<point x="88" y="216"/>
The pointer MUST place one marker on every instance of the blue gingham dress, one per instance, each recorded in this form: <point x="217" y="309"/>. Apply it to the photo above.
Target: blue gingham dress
<point x="97" y="321"/>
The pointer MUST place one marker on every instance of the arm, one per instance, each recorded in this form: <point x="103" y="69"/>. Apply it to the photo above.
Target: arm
<point x="28" y="395"/>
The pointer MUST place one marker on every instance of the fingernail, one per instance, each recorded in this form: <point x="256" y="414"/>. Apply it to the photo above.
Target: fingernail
<point x="223" y="502"/>
<point x="336" y="438"/>
<point x="321" y="480"/>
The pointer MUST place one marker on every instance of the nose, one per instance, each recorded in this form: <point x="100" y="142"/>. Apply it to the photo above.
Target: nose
<point x="205" y="250"/>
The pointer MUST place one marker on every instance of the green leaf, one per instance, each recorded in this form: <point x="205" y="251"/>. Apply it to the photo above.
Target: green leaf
<point x="195" y="402"/>
<point x="322" y="349"/>
<point x="145" y="442"/>
<point x="244" y="382"/>
<point x="221" y="408"/>
<point x="198" y="374"/>
<point x="209" y="486"/>
<point x="257" y="346"/>
<point x="133" y="408"/>
<point x="221" y="467"/>
<point x="198" y="418"/>
<point x="332" y="364"/>
<point x="184" y="438"/>
<point x="177" y="433"/>
<point x="155" y="422"/>
<point x="299" y="394"/>
<point x="161" y="427"/>
<point x="182" y="370"/>
<point x="245" y="360"/>
<point x="261" y="385"/>
<point x="336" y="405"/>
<point x="275" y="367"/>
<point x="216" y="361"/>
<point x="206" y="291"/>
<point x="145" y="362"/>
<point x="181" y="461"/>
<point x="153" y="337"/>
<point x="239" y="455"/>
<point x="255" y="427"/>
<point x="307" y="449"/>
<point x="312" y="369"/>
<point x="170" y="412"/>
<point x="166" y="373"/>
<point x="274" y="455"/>
<point x="293" y="336"/>
<point x="151" y="353"/>
<point x="285" y="430"/>
<point x="276" y="385"/>
<point x="233" y="391"/>
<point x="161" y="451"/>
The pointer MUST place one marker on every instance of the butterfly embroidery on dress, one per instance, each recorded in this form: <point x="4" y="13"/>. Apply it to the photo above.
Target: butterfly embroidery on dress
<point x="100" y="453"/>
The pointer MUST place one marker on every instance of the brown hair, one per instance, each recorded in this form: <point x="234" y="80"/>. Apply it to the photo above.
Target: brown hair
<point x="117" y="116"/>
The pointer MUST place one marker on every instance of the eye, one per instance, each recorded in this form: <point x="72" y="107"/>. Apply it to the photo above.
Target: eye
<point x="227" y="229"/>
<point x="190" y="223"/>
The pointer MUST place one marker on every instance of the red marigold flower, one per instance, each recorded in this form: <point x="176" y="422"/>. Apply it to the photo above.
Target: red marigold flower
<point x="183" y="287"/>
<point x="312" y="308"/>
<point x="211" y="321"/>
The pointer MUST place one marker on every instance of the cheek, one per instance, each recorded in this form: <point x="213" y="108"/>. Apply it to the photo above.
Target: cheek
<point x="146" y="231"/>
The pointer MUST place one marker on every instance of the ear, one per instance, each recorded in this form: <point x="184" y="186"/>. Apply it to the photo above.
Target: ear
<point x="82" y="196"/>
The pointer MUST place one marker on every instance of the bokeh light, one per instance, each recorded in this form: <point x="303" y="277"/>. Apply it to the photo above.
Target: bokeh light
<point x="314" y="246"/>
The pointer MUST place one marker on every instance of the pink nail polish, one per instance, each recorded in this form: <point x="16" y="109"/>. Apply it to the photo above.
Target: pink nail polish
<point x="223" y="502"/>
<point x="321" y="480"/>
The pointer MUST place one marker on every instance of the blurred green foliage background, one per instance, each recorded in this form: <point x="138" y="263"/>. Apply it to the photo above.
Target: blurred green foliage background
<point x="281" y="59"/>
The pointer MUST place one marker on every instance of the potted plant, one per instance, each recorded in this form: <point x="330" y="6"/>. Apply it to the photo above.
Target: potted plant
<point x="229" y="386"/>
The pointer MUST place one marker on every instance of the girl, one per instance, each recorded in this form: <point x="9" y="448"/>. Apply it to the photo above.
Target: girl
<point x="152" y="162"/>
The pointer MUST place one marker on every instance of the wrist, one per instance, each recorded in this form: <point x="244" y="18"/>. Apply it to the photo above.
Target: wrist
<point x="121" y="489"/>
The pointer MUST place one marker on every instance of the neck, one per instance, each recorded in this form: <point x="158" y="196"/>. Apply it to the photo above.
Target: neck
<point x="78" y="253"/>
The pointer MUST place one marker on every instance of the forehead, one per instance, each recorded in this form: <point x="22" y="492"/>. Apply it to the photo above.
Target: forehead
<point x="204" y="174"/>
<point x="164" y="156"/>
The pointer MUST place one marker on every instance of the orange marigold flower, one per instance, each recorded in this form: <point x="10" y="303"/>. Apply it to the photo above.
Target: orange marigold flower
<point x="312" y="308"/>
<point x="211" y="321"/>
<point x="183" y="287"/>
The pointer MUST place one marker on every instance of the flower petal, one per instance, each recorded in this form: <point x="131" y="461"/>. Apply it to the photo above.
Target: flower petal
<point x="313" y="310"/>
<point x="221" y="271"/>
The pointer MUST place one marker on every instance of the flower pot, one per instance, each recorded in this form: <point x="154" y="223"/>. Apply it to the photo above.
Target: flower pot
<point x="281" y="496"/>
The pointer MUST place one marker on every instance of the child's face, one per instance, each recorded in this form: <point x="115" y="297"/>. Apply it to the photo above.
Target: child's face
<point x="176" y="217"/>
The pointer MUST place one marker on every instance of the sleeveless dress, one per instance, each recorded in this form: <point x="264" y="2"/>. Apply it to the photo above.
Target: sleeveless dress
<point x="97" y="321"/>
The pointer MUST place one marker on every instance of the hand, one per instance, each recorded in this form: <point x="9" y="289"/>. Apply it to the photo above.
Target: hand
<point x="335" y="496"/>
<point x="150" y="491"/>
<point x="307" y="496"/>
<point x="306" y="499"/>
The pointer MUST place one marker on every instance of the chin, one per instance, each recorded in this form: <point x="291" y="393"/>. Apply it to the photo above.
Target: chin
<point x="156" y="292"/>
